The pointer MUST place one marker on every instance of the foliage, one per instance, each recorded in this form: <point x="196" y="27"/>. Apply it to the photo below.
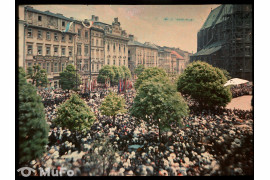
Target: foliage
<point x="102" y="157"/>
<point x="37" y="75"/>
<point x="33" y="129"/>
<point x="112" y="105"/>
<point x="139" y="69"/>
<point x="226" y="74"/>
<point x="75" y="115"/>
<point x="127" y="73"/>
<point x="158" y="102"/>
<point x="104" y="73"/>
<point x="147" y="74"/>
<point x="68" y="79"/>
<point x="205" y="84"/>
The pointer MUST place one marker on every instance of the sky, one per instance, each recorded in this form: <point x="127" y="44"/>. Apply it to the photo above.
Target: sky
<point x="164" y="25"/>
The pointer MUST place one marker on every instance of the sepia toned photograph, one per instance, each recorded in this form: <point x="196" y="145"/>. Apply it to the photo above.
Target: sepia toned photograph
<point x="135" y="90"/>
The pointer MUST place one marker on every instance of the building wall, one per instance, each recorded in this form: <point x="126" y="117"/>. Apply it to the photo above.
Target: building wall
<point x="47" y="46"/>
<point x="21" y="43"/>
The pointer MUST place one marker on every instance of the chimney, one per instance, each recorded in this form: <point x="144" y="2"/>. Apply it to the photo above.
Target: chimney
<point x="131" y="37"/>
<point x="93" y="17"/>
<point x="116" y="19"/>
<point x="96" y="18"/>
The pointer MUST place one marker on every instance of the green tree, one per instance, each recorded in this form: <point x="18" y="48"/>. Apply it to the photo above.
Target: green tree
<point x="106" y="72"/>
<point x="119" y="73"/>
<point x="139" y="69"/>
<point x="205" y="84"/>
<point x="37" y="75"/>
<point x="158" y="102"/>
<point x="33" y="129"/>
<point x="68" y="79"/>
<point x="113" y="105"/>
<point x="226" y="73"/>
<point x="75" y="115"/>
<point x="127" y="73"/>
<point x="149" y="73"/>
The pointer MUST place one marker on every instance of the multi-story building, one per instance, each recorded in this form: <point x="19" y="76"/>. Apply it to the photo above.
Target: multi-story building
<point x="164" y="59"/>
<point x="46" y="43"/>
<point x="82" y="51"/>
<point x="177" y="63"/>
<point x="138" y="53"/>
<point x="225" y="40"/>
<point x="116" y="43"/>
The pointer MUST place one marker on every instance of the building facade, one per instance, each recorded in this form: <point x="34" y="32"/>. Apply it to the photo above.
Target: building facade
<point x="225" y="40"/>
<point x="138" y="53"/>
<point x="46" y="44"/>
<point x="82" y="51"/>
<point x="116" y="43"/>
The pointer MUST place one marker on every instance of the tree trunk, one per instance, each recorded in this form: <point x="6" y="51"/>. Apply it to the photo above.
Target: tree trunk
<point x="159" y="133"/>
<point x="113" y="119"/>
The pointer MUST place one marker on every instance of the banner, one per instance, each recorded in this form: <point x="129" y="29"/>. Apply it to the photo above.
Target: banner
<point x="69" y="24"/>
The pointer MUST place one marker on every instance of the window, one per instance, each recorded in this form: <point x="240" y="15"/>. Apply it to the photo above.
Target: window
<point x="39" y="50"/>
<point x="29" y="49"/>
<point x="55" y="36"/>
<point x="86" y="50"/>
<point x="79" y="33"/>
<point x="92" y="42"/>
<point x="63" y="50"/>
<point x="108" y="47"/>
<point x="59" y="67"/>
<point x="63" y="66"/>
<point x="70" y="51"/>
<point x="39" y="18"/>
<point x="55" y="67"/>
<point x="108" y="62"/>
<point x="86" y="65"/>
<point x="39" y="34"/>
<point x="119" y="63"/>
<point x="55" y="51"/>
<point x="114" y="62"/>
<point x="63" y="23"/>
<point x="124" y="62"/>
<point x="52" y="67"/>
<point x="63" y="38"/>
<point x="29" y="64"/>
<point x="92" y="67"/>
<point x="43" y="65"/>
<point x="86" y="34"/>
<point x="70" y="38"/>
<point x="97" y="67"/>
<point x="119" y="48"/>
<point x="29" y="32"/>
<point x="114" y="47"/>
<point x="48" y="67"/>
<point x="48" y="36"/>
<point x="79" y="50"/>
<point x="48" y="50"/>
<point x="97" y="42"/>
<point x="101" y="43"/>
<point x="124" y="49"/>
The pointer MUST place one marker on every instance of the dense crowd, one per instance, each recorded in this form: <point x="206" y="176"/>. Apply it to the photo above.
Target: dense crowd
<point x="241" y="90"/>
<point x="216" y="142"/>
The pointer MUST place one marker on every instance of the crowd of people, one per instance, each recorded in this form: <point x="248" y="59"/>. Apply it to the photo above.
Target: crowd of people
<point x="241" y="90"/>
<point x="207" y="143"/>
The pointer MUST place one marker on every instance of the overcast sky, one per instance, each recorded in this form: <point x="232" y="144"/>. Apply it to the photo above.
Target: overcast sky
<point x="164" y="25"/>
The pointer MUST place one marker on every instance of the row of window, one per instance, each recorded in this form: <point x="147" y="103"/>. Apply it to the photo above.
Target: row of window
<point x="108" y="48"/>
<point x="48" y="50"/>
<point x="86" y="51"/>
<point x="40" y="19"/>
<point x="108" y="62"/>
<point x="86" y="34"/>
<point x="50" y="67"/>
<point x="48" y="35"/>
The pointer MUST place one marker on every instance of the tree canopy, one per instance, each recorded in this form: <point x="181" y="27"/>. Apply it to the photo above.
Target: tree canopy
<point x="127" y="73"/>
<point x="75" y="115"/>
<point x="106" y="72"/>
<point x="149" y="73"/>
<point x="33" y="129"/>
<point x="37" y="75"/>
<point x="68" y="79"/>
<point x="205" y="84"/>
<point x="158" y="102"/>
<point x="139" y="69"/>
<point x="112" y="105"/>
